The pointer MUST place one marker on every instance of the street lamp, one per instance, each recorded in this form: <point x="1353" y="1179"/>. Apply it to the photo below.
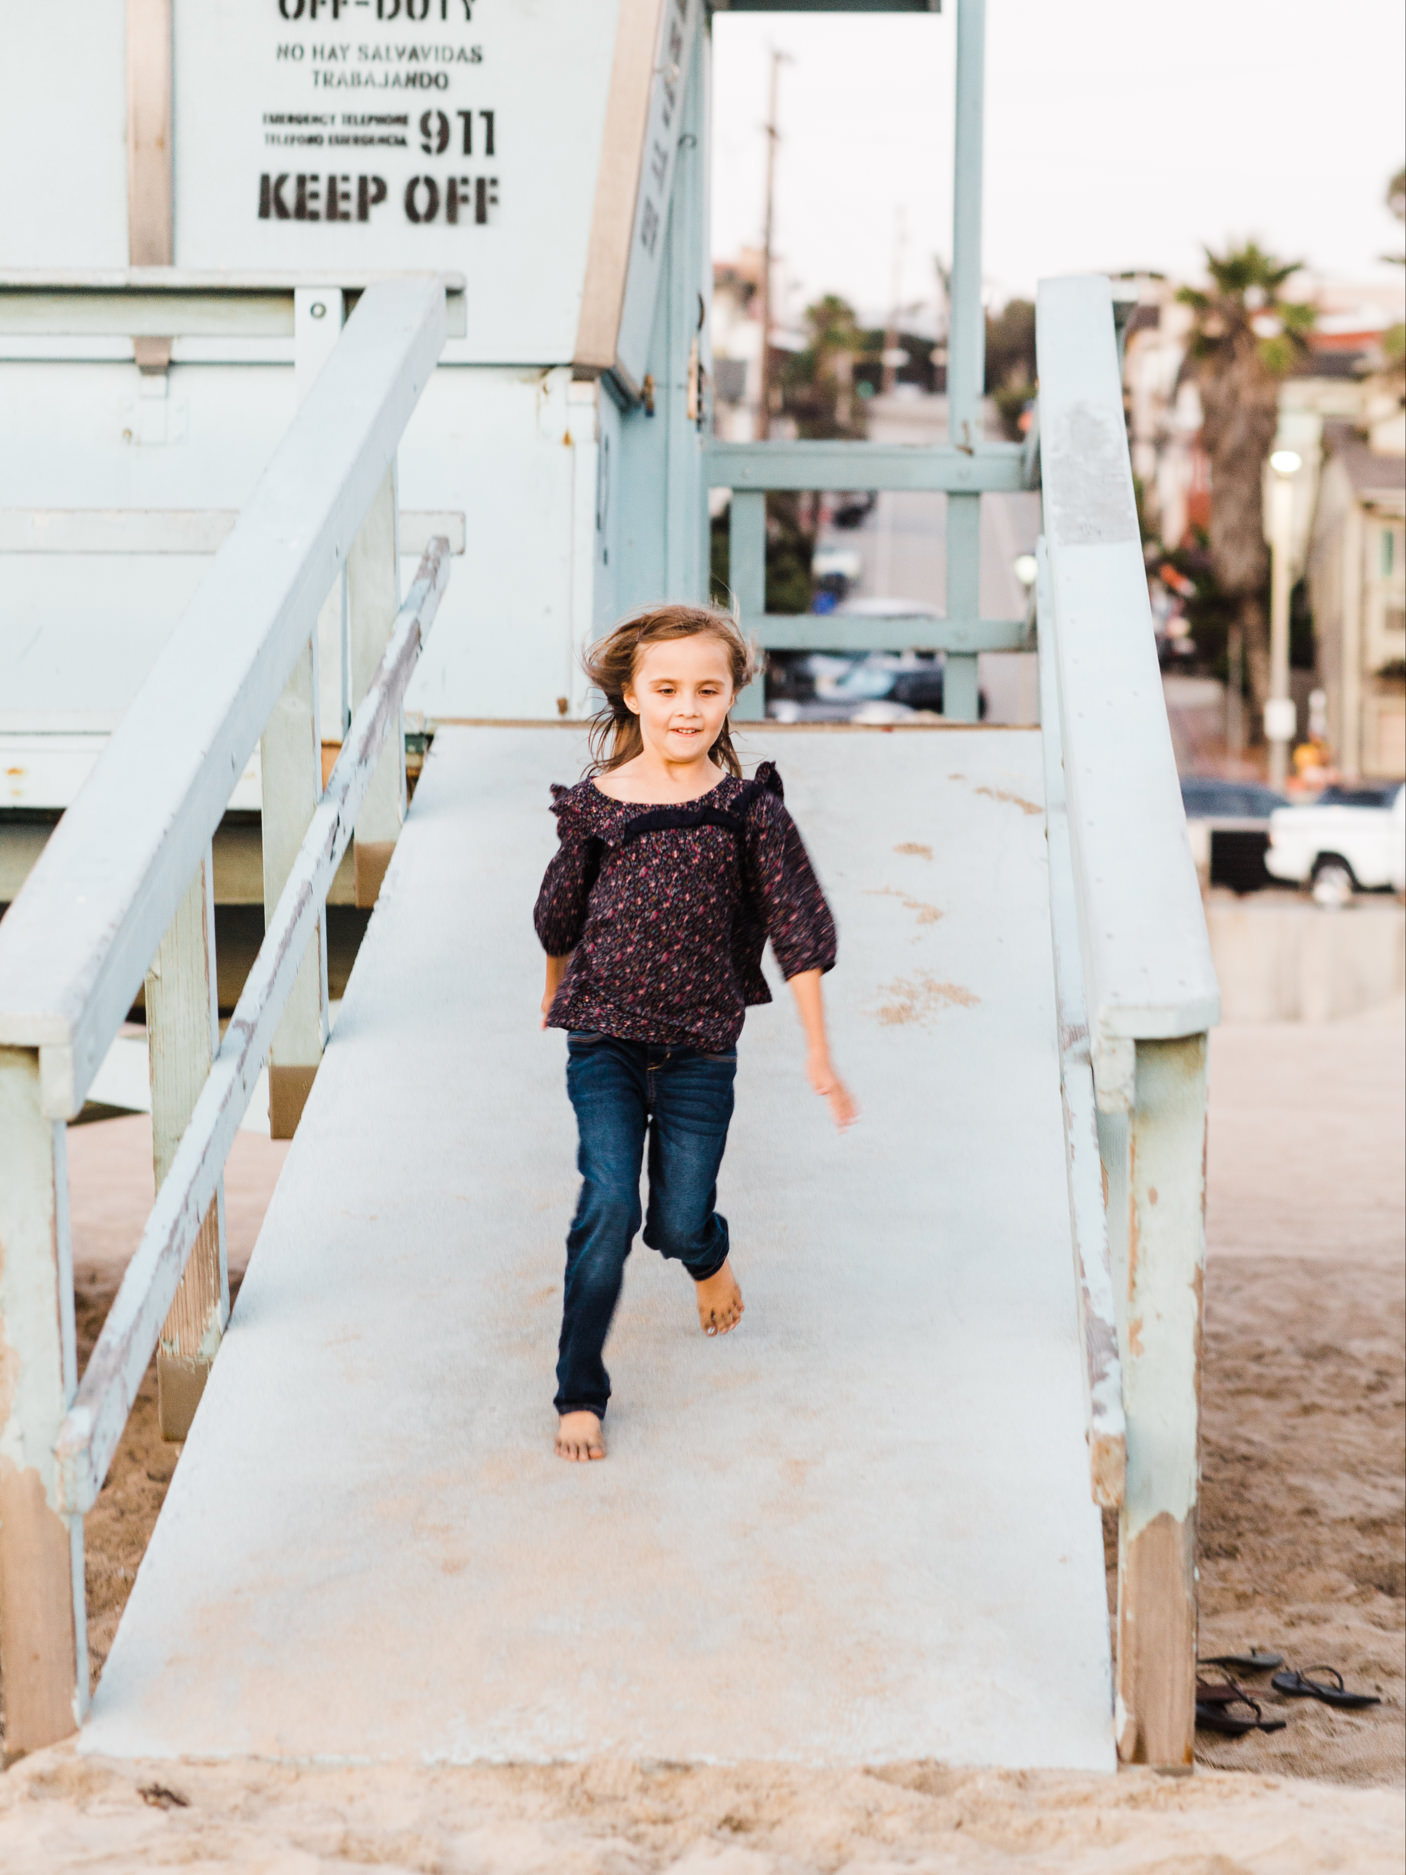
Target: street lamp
<point x="1280" y="716"/>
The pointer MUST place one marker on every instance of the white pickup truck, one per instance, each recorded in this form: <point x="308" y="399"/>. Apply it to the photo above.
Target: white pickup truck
<point x="1348" y="840"/>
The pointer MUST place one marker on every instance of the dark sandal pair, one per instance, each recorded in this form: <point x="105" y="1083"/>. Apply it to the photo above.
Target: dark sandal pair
<point x="1216" y="1701"/>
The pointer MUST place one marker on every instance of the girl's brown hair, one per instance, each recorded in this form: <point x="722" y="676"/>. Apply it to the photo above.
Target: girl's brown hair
<point x="610" y="664"/>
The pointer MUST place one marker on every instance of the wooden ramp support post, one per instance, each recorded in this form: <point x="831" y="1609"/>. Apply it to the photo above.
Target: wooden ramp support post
<point x="291" y="780"/>
<point x="1150" y="988"/>
<point x="182" y="1019"/>
<point x="1154" y="1158"/>
<point x="43" y="1643"/>
<point x="373" y="598"/>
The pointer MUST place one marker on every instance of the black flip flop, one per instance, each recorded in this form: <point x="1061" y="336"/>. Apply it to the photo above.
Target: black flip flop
<point x="1302" y="1686"/>
<point x="1219" y="1718"/>
<point x="1214" y="1699"/>
<point x="1252" y="1662"/>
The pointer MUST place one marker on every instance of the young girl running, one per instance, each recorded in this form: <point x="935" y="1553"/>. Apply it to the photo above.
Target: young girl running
<point x="671" y="874"/>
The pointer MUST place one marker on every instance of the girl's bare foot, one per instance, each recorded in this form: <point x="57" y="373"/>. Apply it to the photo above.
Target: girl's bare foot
<point x="579" y="1437"/>
<point x="719" y="1302"/>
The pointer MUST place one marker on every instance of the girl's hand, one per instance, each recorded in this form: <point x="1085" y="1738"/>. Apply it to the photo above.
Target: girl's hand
<point x="829" y="1086"/>
<point x="556" y="970"/>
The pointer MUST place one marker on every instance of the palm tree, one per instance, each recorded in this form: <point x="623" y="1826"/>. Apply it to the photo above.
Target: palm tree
<point x="1245" y="338"/>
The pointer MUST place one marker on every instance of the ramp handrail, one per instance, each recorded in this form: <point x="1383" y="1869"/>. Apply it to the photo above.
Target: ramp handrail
<point x="79" y="937"/>
<point x="1147" y="958"/>
<point x="1131" y="944"/>
<point x="93" y="1425"/>
<point x="1088" y="1224"/>
<point x="123" y="891"/>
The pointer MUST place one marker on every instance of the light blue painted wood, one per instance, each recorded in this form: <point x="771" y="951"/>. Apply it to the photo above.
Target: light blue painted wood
<point x="1098" y="1315"/>
<point x="966" y="345"/>
<point x="959" y="694"/>
<point x="1147" y="959"/>
<point x="747" y="554"/>
<point x="966" y="350"/>
<point x="960" y="638"/>
<point x="746" y="575"/>
<point x="687" y="266"/>
<point x="661" y="510"/>
<point x="77" y="942"/>
<point x="995" y="468"/>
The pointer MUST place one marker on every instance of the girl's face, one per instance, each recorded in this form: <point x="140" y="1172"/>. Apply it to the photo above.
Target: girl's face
<point x="681" y="691"/>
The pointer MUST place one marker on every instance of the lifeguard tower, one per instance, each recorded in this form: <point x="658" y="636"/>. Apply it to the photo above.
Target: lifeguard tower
<point x="327" y="320"/>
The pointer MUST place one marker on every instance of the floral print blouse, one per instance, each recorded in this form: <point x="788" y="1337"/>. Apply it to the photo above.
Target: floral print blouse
<point x="666" y="910"/>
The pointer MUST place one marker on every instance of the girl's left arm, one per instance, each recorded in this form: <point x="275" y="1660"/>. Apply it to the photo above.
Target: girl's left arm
<point x="802" y="932"/>
<point x="805" y="986"/>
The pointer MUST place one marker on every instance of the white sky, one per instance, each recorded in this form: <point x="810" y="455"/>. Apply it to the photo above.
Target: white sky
<point x="1119" y="134"/>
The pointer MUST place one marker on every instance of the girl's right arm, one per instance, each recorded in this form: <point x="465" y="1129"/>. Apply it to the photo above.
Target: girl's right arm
<point x="556" y="970"/>
<point x="560" y="913"/>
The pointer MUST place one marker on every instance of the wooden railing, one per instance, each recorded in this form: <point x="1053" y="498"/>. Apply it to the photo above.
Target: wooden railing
<point x="123" y="893"/>
<point x="752" y="470"/>
<point x="1137" y="994"/>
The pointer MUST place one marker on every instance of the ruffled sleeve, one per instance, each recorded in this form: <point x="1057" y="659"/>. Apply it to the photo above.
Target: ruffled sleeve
<point x="790" y="905"/>
<point x="560" y="912"/>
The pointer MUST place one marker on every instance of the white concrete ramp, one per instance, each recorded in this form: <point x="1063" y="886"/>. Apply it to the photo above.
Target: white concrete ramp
<point x="858" y="1529"/>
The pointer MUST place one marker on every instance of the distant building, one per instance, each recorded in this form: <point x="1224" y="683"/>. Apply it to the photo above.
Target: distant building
<point x="1357" y="585"/>
<point x="1343" y="418"/>
<point x="1164" y="414"/>
<point x="737" y="346"/>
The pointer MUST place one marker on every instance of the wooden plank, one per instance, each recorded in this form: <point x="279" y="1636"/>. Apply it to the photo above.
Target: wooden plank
<point x="94" y="1423"/>
<point x="42" y="1623"/>
<point x="115" y="530"/>
<point x="960" y="698"/>
<point x="80" y="314"/>
<point x="617" y="184"/>
<point x="176" y="302"/>
<point x="1150" y="990"/>
<point x="75" y="944"/>
<point x="993" y="468"/>
<point x="1147" y="959"/>
<point x="1162" y="1184"/>
<point x="183" y="1032"/>
<point x="373" y="580"/>
<point x="1098" y="1319"/>
<point x="291" y="769"/>
<point x="746" y="575"/>
<point x="319" y="313"/>
<point x="966" y="344"/>
<point x="149" y="196"/>
<point x="841" y="631"/>
<point x="212" y="281"/>
<point x="179" y="530"/>
<point x="1030" y="451"/>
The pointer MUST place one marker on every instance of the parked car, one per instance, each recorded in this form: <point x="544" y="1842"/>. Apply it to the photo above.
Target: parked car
<point x="1229" y="826"/>
<point x="1348" y="840"/>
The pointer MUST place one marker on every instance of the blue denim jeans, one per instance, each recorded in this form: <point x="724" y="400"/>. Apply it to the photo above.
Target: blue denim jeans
<point x="622" y="1092"/>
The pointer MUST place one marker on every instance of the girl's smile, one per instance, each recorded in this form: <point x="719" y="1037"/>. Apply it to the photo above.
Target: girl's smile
<point x="681" y="691"/>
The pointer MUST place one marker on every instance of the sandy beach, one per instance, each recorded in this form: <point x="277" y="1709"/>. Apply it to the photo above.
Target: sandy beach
<point x="1301" y="1544"/>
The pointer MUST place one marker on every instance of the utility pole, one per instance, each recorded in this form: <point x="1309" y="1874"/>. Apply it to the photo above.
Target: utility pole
<point x="1280" y="722"/>
<point x="893" y="358"/>
<point x="773" y="137"/>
